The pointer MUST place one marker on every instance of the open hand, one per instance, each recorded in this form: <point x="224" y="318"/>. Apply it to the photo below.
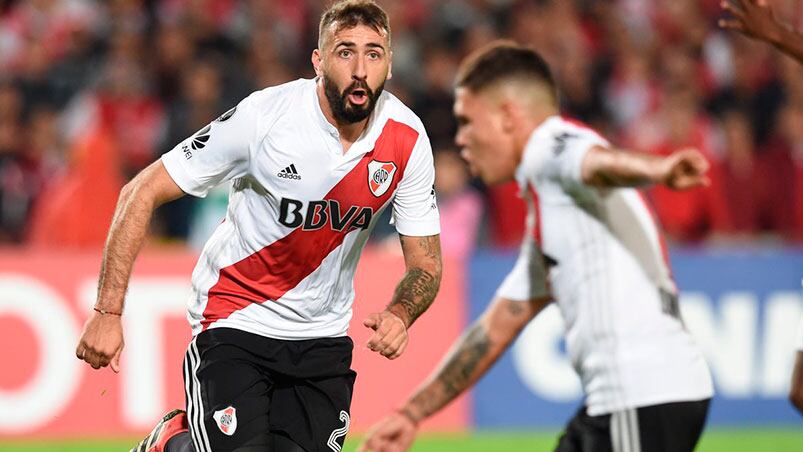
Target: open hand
<point x="390" y="334"/>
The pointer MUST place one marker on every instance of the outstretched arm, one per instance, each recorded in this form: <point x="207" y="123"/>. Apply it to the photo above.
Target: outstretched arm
<point x="414" y="294"/>
<point x="796" y="389"/>
<point x="755" y="18"/>
<point x="475" y="352"/>
<point x="102" y="340"/>
<point x="468" y="360"/>
<point x="608" y="168"/>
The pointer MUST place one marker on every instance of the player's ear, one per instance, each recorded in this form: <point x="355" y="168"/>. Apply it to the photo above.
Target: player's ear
<point x="316" y="62"/>
<point x="509" y="112"/>
<point x="390" y="66"/>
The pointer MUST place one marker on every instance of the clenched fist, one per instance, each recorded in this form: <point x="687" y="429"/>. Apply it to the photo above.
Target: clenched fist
<point x="390" y="334"/>
<point x="101" y="342"/>
<point x="685" y="169"/>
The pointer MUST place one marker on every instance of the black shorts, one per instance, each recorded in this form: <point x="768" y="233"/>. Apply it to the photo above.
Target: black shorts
<point x="242" y="387"/>
<point x="669" y="427"/>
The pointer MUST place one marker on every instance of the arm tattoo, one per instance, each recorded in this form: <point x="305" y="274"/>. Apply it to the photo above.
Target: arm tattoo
<point x="515" y="308"/>
<point x="416" y="292"/>
<point x="431" y="247"/>
<point x="457" y="372"/>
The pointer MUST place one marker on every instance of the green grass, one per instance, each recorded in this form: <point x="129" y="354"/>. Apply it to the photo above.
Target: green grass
<point x="717" y="440"/>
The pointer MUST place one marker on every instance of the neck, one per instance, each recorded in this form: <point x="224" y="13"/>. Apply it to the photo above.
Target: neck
<point x="348" y="132"/>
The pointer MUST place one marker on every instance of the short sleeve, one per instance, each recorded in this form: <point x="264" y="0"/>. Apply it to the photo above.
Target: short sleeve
<point x="568" y="146"/>
<point x="415" y="212"/>
<point x="529" y="278"/>
<point x="218" y="152"/>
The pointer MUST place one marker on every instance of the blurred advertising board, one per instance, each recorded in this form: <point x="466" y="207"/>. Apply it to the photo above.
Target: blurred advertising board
<point x="743" y="307"/>
<point x="45" y="297"/>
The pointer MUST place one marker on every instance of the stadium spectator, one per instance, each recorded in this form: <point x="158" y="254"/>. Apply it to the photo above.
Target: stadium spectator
<point x="788" y="159"/>
<point x="748" y="179"/>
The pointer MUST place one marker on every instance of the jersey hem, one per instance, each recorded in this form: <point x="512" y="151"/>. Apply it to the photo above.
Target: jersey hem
<point x="594" y="410"/>
<point x="418" y="229"/>
<point x="268" y="334"/>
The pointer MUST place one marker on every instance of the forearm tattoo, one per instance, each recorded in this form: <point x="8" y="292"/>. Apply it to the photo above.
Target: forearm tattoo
<point x="417" y="290"/>
<point x="457" y="372"/>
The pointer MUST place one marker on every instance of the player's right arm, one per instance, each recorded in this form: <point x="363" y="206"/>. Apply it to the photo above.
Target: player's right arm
<point x="468" y="360"/>
<point x="218" y="152"/>
<point x="609" y="168"/>
<point x="575" y="155"/>
<point x="102" y="339"/>
<point x="755" y="18"/>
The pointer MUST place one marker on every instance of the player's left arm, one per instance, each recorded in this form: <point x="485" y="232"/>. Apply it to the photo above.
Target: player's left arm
<point x="604" y="167"/>
<point x="422" y="279"/>
<point x="796" y="390"/>
<point x="469" y="359"/>
<point x="414" y="294"/>
<point x="415" y="214"/>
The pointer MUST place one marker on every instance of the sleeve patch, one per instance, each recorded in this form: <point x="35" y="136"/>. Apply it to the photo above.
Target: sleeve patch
<point x="561" y="141"/>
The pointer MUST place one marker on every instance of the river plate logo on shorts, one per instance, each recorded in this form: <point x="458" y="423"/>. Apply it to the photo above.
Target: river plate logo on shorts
<point x="380" y="176"/>
<point x="226" y="420"/>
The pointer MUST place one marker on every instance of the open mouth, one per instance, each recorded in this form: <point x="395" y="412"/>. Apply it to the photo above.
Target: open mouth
<point x="358" y="96"/>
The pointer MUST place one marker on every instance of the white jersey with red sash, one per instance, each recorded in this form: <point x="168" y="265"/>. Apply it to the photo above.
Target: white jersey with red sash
<point x="602" y="256"/>
<point x="282" y="262"/>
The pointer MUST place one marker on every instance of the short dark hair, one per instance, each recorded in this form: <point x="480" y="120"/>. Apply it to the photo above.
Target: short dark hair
<point x="350" y="13"/>
<point x="503" y="60"/>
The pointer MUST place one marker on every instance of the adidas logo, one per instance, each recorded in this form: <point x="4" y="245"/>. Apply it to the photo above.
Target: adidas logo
<point x="290" y="173"/>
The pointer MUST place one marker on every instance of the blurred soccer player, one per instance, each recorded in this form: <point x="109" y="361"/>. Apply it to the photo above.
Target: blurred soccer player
<point x="593" y="245"/>
<point x="756" y="19"/>
<point x="313" y="164"/>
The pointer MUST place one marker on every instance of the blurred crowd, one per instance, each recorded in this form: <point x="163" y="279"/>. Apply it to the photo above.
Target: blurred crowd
<point x="93" y="91"/>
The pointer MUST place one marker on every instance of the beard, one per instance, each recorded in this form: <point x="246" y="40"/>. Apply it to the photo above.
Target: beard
<point x="343" y="110"/>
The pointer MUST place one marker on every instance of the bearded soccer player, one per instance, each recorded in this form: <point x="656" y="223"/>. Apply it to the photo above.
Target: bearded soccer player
<point x="593" y="245"/>
<point x="313" y="164"/>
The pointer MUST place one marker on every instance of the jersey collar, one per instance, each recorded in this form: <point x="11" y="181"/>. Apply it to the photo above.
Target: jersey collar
<point x="365" y="142"/>
<point x="531" y="151"/>
<point x="319" y="116"/>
